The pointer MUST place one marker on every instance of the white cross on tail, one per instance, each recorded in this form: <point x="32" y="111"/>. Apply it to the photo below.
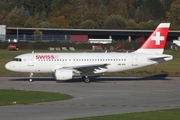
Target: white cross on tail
<point x="157" y="38"/>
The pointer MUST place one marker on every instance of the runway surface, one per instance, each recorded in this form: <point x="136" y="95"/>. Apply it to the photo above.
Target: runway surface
<point x="103" y="96"/>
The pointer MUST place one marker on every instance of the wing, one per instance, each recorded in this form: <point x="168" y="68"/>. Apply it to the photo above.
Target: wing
<point x="87" y="69"/>
<point x="93" y="68"/>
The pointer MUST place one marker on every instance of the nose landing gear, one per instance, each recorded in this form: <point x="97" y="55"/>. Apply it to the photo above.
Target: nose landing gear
<point x="30" y="77"/>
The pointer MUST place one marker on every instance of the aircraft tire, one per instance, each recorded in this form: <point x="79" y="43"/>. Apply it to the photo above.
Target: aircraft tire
<point x="30" y="80"/>
<point x="86" y="80"/>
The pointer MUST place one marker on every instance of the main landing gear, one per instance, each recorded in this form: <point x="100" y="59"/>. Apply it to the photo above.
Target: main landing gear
<point x="85" y="79"/>
<point x="30" y="77"/>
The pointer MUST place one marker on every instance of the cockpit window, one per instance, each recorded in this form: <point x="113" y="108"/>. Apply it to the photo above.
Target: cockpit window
<point x="17" y="59"/>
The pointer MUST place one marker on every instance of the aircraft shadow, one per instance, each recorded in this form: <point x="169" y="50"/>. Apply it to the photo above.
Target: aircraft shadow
<point x="97" y="79"/>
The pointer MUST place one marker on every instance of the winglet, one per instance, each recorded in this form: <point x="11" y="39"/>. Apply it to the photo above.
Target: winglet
<point x="156" y="41"/>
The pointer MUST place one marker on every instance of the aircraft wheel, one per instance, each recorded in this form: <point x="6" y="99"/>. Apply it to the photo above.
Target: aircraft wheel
<point x="86" y="80"/>
<point x="30" y="80"/>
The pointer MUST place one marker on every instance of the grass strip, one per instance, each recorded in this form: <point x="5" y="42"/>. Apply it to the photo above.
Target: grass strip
<point x="10" y="97"/>
<point x="172" y="114"/>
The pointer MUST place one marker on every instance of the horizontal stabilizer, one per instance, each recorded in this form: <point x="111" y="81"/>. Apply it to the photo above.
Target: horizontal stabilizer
<point x="161" y="59"/>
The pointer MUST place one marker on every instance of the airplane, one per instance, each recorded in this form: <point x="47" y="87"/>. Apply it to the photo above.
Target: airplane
<point x="65" y="66"/>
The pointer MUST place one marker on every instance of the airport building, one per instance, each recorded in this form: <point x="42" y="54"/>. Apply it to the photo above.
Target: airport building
<point x="2" y="32"/>
<point x="78" y="35"/>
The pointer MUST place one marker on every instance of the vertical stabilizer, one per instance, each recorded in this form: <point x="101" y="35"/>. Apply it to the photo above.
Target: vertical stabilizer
<point x="156" y="41"/>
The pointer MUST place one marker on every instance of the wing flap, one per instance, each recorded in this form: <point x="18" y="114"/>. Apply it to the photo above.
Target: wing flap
<point x="93" y="68"/>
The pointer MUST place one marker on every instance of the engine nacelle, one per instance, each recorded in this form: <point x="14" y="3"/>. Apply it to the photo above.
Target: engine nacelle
<point x="63" y="74"/>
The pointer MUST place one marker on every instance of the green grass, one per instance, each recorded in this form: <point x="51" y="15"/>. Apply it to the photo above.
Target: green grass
<point x="172" y="114"/>
<point x="171" y="67"/>
<point x="7" y="97"/>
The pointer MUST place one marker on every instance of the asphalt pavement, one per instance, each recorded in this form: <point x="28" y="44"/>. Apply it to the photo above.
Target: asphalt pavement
<point x="103" y="96"/>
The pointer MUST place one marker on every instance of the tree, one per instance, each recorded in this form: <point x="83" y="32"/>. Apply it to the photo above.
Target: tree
<point x="37" y="19"/>
<point x="131" y="13"/>
<point x="3" y="13"/>
<point x="7" y="6"/>
<point x="78" y="17"/>
<point x="15" y="18"/>
<point x="46" y="24"/>
<point x="139" y="15"/>
<point x="96" y="15"/>
<point x="1" y="21"/>
<point x="43" y="16"/>
<point x="131" y="25"/>
<point x="73" y="13"/>
<point x="37" y="34"/>
<point x="150" y="25"/>
<point x="60" y="21"/>
<point x="129" y="3"/>
<point x="92" y="10"/>
<point x="115" y="22"/>
<point x="138" y="3"/>
<point x="57" y="4"/>
<point x="167" y="4"/>
<point x="174" y="15"/>
<point x="36" y="6"/>
<point x="66" y="11"/>
<point x="103" y="8"/>
<point x="25" y="12"/>
<point x="118" y="7"/>
<point x="30" y="23"/>
<point x="88" y="24"/>
<point x="153" y="10"/>
<point x="136" y="11"/>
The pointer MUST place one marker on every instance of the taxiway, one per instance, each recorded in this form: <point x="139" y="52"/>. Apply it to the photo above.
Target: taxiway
<point x="103" y="96"/>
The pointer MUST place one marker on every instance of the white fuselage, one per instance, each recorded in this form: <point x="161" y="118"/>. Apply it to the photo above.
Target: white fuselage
<point x="49" y="62"/>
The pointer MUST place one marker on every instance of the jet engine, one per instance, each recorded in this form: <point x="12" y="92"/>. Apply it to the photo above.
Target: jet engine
<point x="63" y="74"/>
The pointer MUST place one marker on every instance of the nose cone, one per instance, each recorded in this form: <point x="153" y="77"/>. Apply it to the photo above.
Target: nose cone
<point x="10" y="66"/>
<point x="7" y="66"/>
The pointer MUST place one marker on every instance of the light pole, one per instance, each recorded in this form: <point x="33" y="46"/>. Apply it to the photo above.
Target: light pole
<point x="17" y="33"/>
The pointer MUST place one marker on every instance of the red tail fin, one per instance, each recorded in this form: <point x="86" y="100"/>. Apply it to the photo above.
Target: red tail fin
<point x="156" y="41"/>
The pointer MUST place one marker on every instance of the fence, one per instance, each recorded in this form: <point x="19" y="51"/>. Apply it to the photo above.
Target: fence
<point x="37" y="38"/>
